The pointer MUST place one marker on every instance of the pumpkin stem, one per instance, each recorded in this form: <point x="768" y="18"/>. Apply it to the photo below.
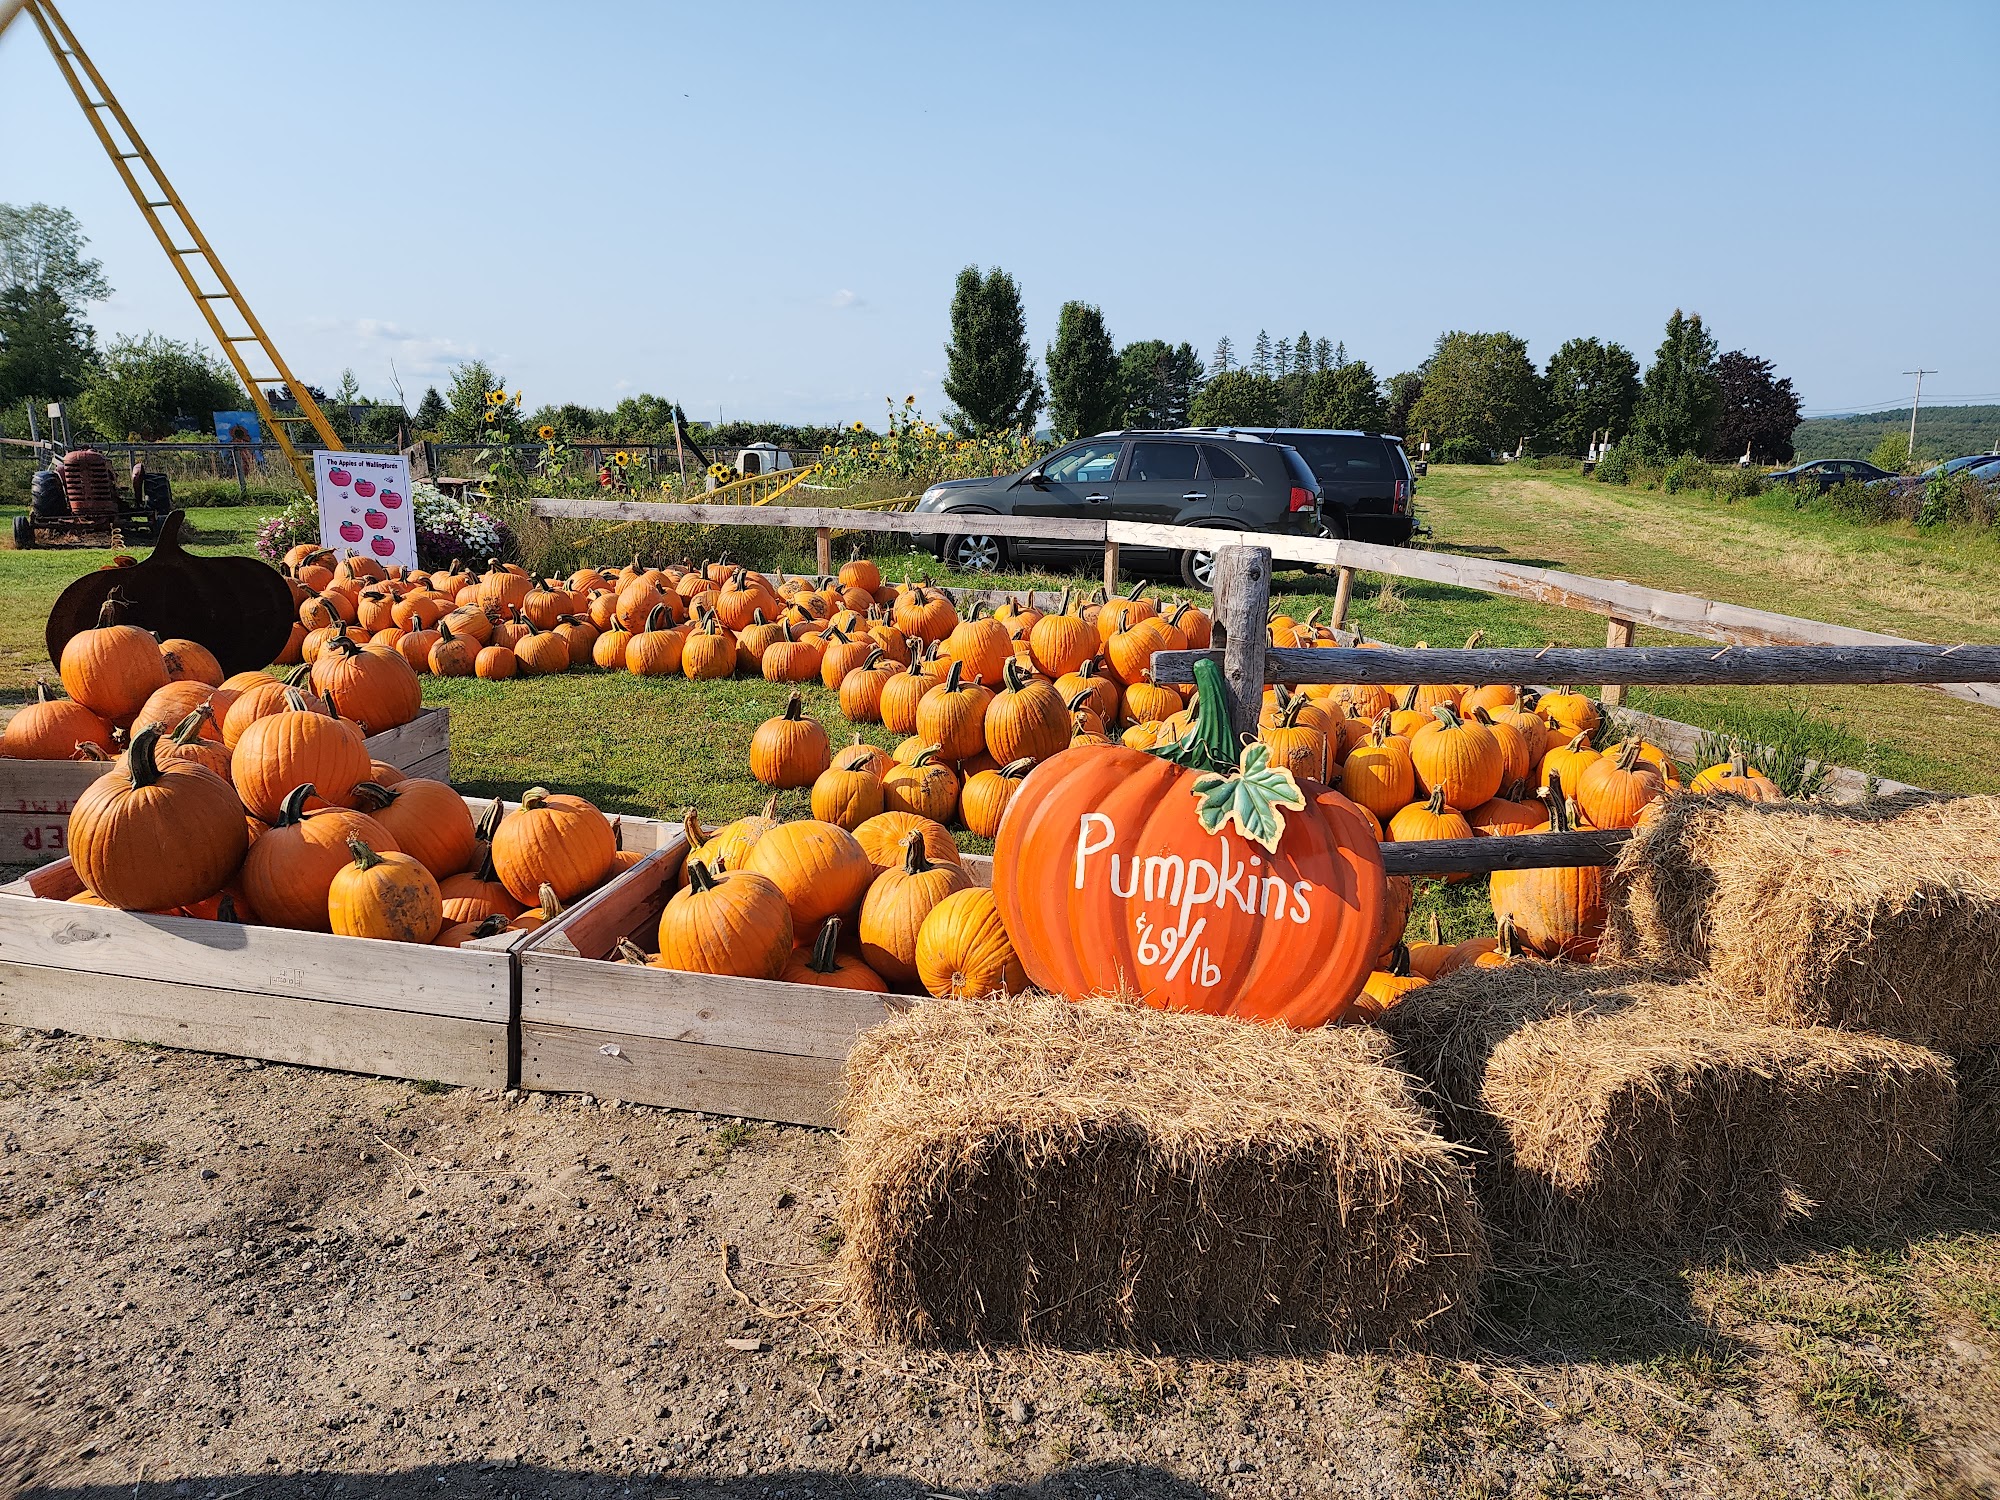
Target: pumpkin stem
<point x="551" y="906"/>
<point x="795" y="708"/>
<point x="533" y="797"/>
<point x="1399" y="961"/>
<point x="145" y="768"/>
<point x="926" y="756"/>
<point x="489" y="821"/>
<point x="1437" y="931"/>
<point x="88" y="750"/>
<point x="1446" y="715"/>
<point x="42" y="693"/>
<point x="1015" y="675"/>
<point x="914" y="862"/>
<point x="1628" y="755"/>
<point x="376" y="793"/>
<point x="653" y="617"/>
<point x="1079" y="700"/>
<point x="1510" y="945"/>
<point x="1015" y="769"/>
<point x="700" y="877"/>
<point x="952" y="678"/>
<point x="770" y="807"/>
<point x="824" y="958"/>
<point x="364" y="857"/>
<point x="292" y="810"/>
<point x="1558" y="804"/>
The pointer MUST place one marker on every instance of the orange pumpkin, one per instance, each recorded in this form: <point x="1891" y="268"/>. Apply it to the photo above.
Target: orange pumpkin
<point x="148" y="835"/>
<point x="1614" y="790"/>
<point x="553" y="839"/>
<point x="284" y="750"/>
<point x="896" y="904"/>
<point x="51" y="728"/>
<point x="112" y="669"/>
<point x="388" y="896"/>
<point x="819" y="868"/>
<point x="882" y="837"/>
<point x="1026" y="720"/>
<point x="1558" y="912"/>
<point x="963" y="948"/>
<point x="952" y="716"/>
<point x="826" y="966"/>
<point x="789" y="750"/>
<point x="846" y="798"/>
<point x="291" y="867"/>
<point x="733" y="923"/>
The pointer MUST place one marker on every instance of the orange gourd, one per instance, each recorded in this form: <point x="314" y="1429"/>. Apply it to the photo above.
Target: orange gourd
<point x="386" y="896"/>
<point x="826" y="966"/>
<point x="789" y="750"/>
<point x="147" y="835"/>
<point x="896" y="904"/>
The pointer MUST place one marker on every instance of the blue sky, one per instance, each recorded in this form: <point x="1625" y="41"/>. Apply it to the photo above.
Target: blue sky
<point x="759" y="209"/>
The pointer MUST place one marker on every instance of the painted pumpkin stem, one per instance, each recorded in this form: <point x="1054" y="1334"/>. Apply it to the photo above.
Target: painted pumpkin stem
<point x="1210" y="743"/>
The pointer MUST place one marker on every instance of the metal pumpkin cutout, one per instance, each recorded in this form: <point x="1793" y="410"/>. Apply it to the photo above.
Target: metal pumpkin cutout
<point x="1191" y="878"/>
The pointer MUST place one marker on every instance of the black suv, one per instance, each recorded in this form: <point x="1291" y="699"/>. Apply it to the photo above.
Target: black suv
<point x="1370" y="492"/>
<point x="1231" y="482"/>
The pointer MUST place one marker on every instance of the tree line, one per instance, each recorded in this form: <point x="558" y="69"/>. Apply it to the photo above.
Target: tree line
<point x="1477" y="395"/>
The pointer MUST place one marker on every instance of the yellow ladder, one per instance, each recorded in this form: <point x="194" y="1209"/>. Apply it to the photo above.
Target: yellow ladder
<point x="229" y="317"/>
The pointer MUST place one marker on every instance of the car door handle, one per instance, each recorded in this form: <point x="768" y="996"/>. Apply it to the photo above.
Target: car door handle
<point x="1097" y="499"/>
<point x="1194" y="495"/>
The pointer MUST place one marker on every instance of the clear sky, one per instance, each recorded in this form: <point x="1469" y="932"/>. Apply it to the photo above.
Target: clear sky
<point x="759" y="208"/>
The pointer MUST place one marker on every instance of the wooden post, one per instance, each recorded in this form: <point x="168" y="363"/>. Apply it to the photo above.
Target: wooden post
<point x="1110" y="569"/>
<point x="1342" y="593"/>
<point x="1617" y="633"/>
<point x="1242" y="605"/>
<point x="824" y="538"/>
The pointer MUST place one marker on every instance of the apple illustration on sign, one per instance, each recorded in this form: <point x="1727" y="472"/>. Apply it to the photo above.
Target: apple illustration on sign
<point x="364" y="488"/>
<point x="391" y="498"/>
<point x="340" y="477"/>
<point x="376" y="519"/>
<point x="383" y="546"/>
<point x="350" y="531"/>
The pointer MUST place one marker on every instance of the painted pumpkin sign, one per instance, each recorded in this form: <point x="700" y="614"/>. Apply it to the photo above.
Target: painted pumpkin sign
<point x="1191" y="878"/>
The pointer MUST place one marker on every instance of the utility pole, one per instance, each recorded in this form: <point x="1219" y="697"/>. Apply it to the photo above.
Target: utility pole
<point x="1920" y="374"/>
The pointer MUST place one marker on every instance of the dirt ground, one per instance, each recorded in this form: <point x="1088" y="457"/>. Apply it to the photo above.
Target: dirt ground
<point x="221" y="1280"/>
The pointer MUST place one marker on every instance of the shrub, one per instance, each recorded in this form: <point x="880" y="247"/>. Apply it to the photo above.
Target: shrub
<point x="1736" y="483"/>
<point x="1461" y="450"/>
<point x="1892" y="453"/>
<point x="1957" y="499"/>
<point x="1552" y="461"/>
<point x="202" y="494"/>
<point x="1686" y="473"/>
<point x="1615" y="467"/>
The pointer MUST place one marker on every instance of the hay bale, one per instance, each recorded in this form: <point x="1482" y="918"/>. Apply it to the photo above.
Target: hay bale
<point x="1882" y="917"/>
<point x="1608" y="1113"/>
<point x="1974" y="1152"/>
<point x="1101" y="1174"/>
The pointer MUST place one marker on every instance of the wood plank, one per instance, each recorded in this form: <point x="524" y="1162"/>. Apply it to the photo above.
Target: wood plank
<point x="1618" y="635"/>
<point x="314" y="1033"/>
<point x="425" y="736"/>
<point x="1739" y="666"/>
<point x="32" y="786"/>
<point x="26" y="838"/>
<point x="680" y="1075"/>
<point x="712" y="1010"/>
<point x="1242" y="605"/>
<point x="254" y="961"/>
<point x="1519" y="851"/>
<point x="434" y="768"/>
<point x="623" y="908"/>
<point x="907" y="523"/>
<point x="1683" y="742"/>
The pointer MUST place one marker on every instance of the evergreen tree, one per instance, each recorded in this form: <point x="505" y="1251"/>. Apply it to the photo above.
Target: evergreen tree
<point x="1224" y="358"/>
<point x="1302" y="355"/>
<point x="47" y="349"/>
<point x="1260" y="355"/>
<point x="1589" y="388"/>
<point x="431" y="412"/>
<point x="1339" y="354"/>
<point x="1323" y="354"/>
<point x="1160" y="382"/>
<point x="1404" y="390"/>
<point x="1682" y="396"/>
<point x="1084" y="371"/>
<point x="989" y="368"/>
<point x="1281" y="359"/>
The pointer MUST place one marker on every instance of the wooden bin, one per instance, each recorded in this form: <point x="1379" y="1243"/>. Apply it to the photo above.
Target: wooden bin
<point x="36" y="795"/>
<point x="402" y="1011"/>
<point x="752" y="1048"/>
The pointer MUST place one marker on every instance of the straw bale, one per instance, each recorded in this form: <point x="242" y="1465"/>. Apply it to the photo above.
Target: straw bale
<point x="1610" y="1109"/>
<point x="1974" y="1154"/>
<point x="1880" y="917"/>
<point x="1100" y="1174"/>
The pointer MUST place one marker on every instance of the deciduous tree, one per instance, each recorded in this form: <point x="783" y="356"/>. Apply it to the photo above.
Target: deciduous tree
<point x="989" y="369"/>
<point x="1590" y="387"/>
<point x="147" y="386"/>
<point x="1085" y="391"/>
<point x="1238" y="398"/>
<point x="1481" y="387"/>
<point x="1348" y="396"/>
<point x="1757" y="411"/>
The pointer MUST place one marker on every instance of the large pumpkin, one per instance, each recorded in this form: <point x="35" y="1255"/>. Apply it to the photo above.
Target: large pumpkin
<point x="149" y="836"/>
<point x="113" y="668"/>
<point x="1123" y="871"/>
<point x="555" y="840"/>
<point x="51" y="728"/>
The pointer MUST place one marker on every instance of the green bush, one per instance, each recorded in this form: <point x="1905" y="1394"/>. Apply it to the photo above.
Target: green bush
<point x="1957" y="499"/>
<point x="1461" y="450"/>
<point x="1686" y="473"/>
<point x="1615" y="467"/>
<point x="1561" y="461"/>
<point x="1736" y="483"/>
<point x="201" y="494"/>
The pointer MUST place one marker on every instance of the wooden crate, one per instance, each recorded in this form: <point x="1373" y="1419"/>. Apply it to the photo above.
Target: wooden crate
<point x="405" y="1011"/>
<point x="751" y="1048"/>
<point x="36" y="795"/>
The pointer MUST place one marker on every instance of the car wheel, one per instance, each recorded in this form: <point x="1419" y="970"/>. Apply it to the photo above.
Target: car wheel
<point x="976" y="554"/>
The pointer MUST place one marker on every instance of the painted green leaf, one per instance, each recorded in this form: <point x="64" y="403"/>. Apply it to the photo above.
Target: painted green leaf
<point x="1253" y="797"/>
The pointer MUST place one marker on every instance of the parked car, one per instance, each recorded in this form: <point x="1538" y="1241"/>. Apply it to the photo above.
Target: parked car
<point x="1971" y="461"/>
<point x="1989" y="470"/>
<point x="1231" y="483"/>
<point x="1368" y="486"/>
<point x="1823" y="474"/>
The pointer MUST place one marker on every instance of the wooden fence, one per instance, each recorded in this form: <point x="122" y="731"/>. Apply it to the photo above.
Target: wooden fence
<point x="1625" y="606"/>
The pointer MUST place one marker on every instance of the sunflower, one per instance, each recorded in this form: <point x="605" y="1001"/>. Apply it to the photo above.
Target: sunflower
<point x="858" y="427"/>
<point x="546" y="433"/>
<point x="826" y="451"/>
<point x="909" y="401"/>
<point x="622" y="459"/>
<point x="494" y="398"/>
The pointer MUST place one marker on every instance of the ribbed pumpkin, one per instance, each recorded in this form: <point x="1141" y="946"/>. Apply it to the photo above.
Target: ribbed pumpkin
<point x="1570" y="714"/>
<point x="708" y="652"/>
<point x="1614" y="790"/>
<point x="952" y="715"/>
<point x="860" y="573"/>
<point x="541" y="652"/>
<point x="861" y="689"/>
<point x="190" y="661"/>
<point x="659" y="649"/>
<point x="842" y="656"/>
<point x="1459" y="757"/>
<point x="789" y="750"/>
<point x="580" y="636"/>
<point x="112" y="669"/>
<point x="733" y="923"/>
<point x="495" y="663"/>
<point x="149" y="835"/>
<point x="1026" y="720"/>
<point x="375" y="688"/>
<point x="1513" y="810"/>
<point x="190" y="743"/>
<point x="1558" y="912"/>
<point x="980" y="646"/>
<point x="1568" y="762"/>
<point x="452" y="654"/>
<point x="820" y="868"/>
<point x="1104" y="694"/>
<point x="50" y="728"/>
<point x="983" y="799"/>
<point x="963" y="948"/>
<point x="386" y="896"/>
<point x="552" y="839"/>
<point x="904" y="693"/>
<point x="1297" y="745"/>
<point x="846" y="798"/>
<point x="478" y="894"/>
<point x="1122" y="613"/>
<point x="290" y="868"/>
<point x="1145" y="701"/>
<point x="924" y="786"/>
<point x="925" y="613"/>
<point x="1737" y="777"/>
<point x="1061" y="642"/>
<point x="284" y="750"/>
<point x="862" y="756"/>
<point x="429" y="821"/>
<point x="608" y="651"/>
<point x="1431" y="819"/>
<point x="826" y="966"/>
<point x="1377" y="773"/>
<point x="882" y="838"/>
<point x="893" y="913"/>
<point x="791" y="658"/>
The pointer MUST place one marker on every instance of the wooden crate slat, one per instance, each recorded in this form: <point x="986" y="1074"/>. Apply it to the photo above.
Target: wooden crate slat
<point x="758" y="1015"/>
<point x="425" y="736"/>
<point x="776" y="1086"/>
<point x="276" y="1028"/>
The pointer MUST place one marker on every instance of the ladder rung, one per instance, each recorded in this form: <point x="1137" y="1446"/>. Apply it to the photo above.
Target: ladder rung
<point x="163" y="203"/>
<point x="240" y="338"/>
<point x="212" y="296"/>
<point x="187" y="250"/>
<point x="131" y="155"/>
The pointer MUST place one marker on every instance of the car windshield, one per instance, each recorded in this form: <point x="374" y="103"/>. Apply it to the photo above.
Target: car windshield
<point x="1338" y="457"/>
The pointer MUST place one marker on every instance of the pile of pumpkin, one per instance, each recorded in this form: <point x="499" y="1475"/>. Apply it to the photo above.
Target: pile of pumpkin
<point x="885" y="907"/>
<point x="262" y="805"/>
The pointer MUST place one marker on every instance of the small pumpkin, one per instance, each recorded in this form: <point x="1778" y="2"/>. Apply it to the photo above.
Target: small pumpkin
<point x="826" y="966"/>
<point x="789" y="750"/>
<point x="735" y="922"/>
<point x="846" y="798"/>
<point x="1614" y="790"/>
<point x="984" y="798"/>
<point x="477" y="894"/>
<point x="924" y="786"/>
<point x="390" y="897"/>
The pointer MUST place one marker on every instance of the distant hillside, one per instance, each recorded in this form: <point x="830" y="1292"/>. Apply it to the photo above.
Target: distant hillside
<point x="1942" y="432"/>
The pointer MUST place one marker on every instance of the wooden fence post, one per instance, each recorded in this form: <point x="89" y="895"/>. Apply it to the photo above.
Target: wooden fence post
<point x="1342" y="593"/>
<point x="824" y="538"/>
<point x="1242" y="604"/>
<point x="1617" y="633"/>
<point x="1110" y="569"/>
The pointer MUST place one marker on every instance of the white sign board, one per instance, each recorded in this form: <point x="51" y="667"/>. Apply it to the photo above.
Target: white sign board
<point x="364" y="505"/>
